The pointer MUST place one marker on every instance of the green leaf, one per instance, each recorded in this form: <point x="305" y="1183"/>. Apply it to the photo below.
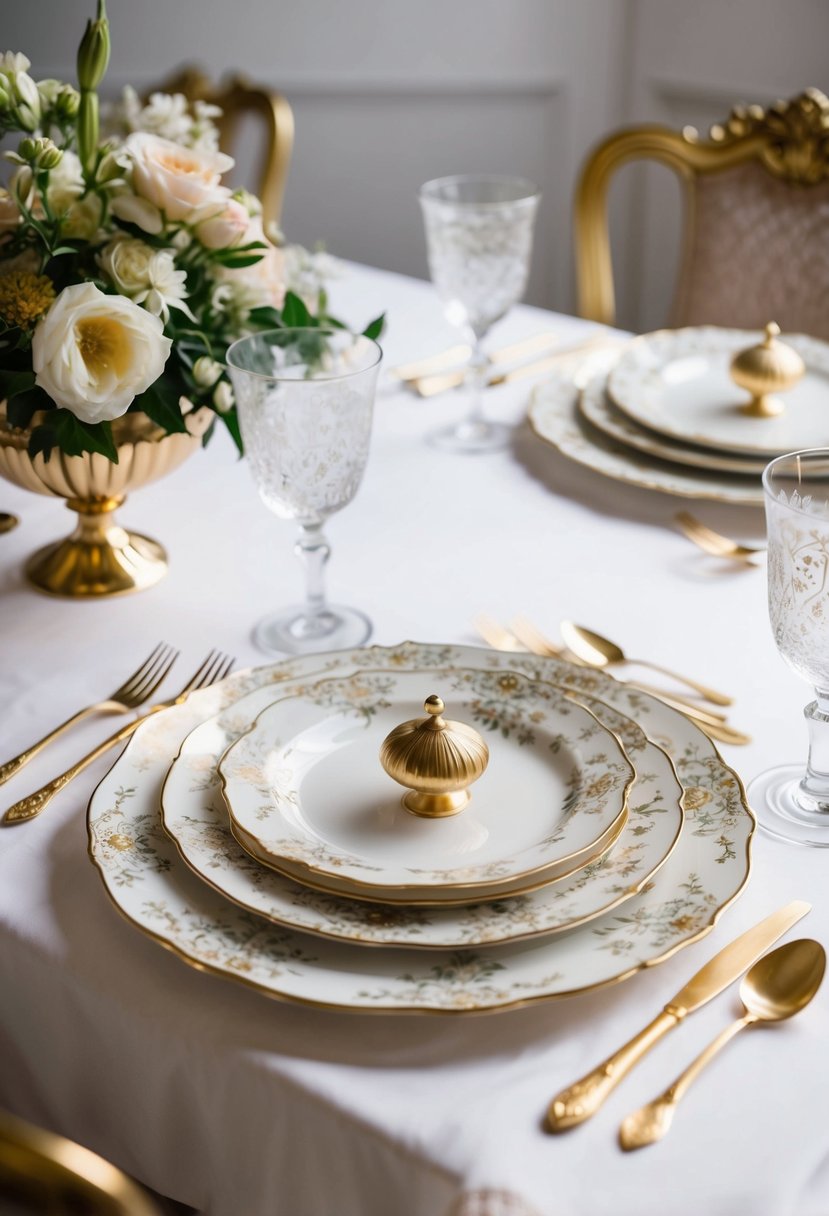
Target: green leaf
<point x="160" y="403"/>
<point x="376" y="327"/>
<point x="266" y="317"/>
<point x="12" y="382"/>
<point x="75" y="437"/>
<point x="237" y="261"/>
<point x="231" y="421"/>
<point x="295" y="315"/>
<point x="23" y="405"/>
<point x="42" y="439"/>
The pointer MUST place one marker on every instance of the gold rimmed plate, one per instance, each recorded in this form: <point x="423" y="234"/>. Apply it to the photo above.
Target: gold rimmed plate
<point x="305" y="785"/>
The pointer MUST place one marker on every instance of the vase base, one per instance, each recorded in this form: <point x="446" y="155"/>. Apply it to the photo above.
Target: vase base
<point x="116" y="563"/>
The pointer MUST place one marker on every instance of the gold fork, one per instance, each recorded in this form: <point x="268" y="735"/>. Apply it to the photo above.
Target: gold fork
<point x="709" y="541"/>
<point x="135" y="690"/>
<point x="215" y="667"/>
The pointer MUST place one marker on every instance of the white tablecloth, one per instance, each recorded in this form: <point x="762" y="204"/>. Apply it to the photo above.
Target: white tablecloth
<point x="242" y="1106"/>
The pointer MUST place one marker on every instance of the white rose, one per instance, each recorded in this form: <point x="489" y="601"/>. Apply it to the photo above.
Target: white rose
<point x="148" y="276"/>
<point x="93" y="353"/>
<point x="222" y="227"/>
<point x="175" y="179"/>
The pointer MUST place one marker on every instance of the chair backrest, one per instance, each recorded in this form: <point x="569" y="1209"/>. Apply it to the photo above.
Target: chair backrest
<point x="756" y="220"/>
<point x="46" y="1173"/>
<point x="237" y="97"/>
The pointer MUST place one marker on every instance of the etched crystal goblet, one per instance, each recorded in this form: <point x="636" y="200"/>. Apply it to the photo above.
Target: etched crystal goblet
<point x="479" y="231"/>
<point x="791" y="804"/>
<point x="305" y="399"/>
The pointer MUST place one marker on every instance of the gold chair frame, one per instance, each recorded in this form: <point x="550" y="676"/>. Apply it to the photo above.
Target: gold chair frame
<point x="236" y="96"/>
<point x="61" y="1176"/>
<point x="790" y="139"/>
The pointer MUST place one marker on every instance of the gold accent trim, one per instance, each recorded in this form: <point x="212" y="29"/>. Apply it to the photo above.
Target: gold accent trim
<point x="522" y="1003"/>
<point x="581" y="857"/>
<point x="790" y="139"/>
<point x="628" y="893"/>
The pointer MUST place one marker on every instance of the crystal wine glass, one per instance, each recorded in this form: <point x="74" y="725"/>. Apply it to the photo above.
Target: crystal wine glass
<point x="305" y="399"/>
<point x="791" y="804"/>
<point x="479" y="231"/>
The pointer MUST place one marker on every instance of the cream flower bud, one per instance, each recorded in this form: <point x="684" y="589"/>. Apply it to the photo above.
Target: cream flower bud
<point x="93" y="353"/>
<point x="138" y="211"/>
<point x="223" y="399"/>
<point x="206" y="371"/>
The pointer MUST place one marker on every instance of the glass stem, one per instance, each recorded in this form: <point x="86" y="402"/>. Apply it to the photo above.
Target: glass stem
<point x="476" y="378"/>
<point x="815" y="784"/>
<point x="313" y="550"/>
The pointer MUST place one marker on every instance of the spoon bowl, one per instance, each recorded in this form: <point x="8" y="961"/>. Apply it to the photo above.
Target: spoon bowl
<point x="598" y="651"/>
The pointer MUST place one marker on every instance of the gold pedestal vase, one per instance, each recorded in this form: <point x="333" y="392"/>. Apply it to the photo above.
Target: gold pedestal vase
<point x="100" y="558"/>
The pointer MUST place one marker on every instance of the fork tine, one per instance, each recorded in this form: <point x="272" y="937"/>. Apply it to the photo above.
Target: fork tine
<point x="160" y="675"/>
<point x="128" y="685"/>
<point x="154" y="675"/>
<point x="215" y="667"/>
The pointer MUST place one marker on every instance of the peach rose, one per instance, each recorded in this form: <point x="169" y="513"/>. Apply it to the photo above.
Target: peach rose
<point x="263" y="283"/>
<point x="221" y="228"/>
<point x="176" y="180"/>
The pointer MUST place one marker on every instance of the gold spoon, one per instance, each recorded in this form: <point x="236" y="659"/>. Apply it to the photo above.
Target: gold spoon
<point x="592" y="648"/>
<point x="778" y="986"/>
<point x="8" y="522"/>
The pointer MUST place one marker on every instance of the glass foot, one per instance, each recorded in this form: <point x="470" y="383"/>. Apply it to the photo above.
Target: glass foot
<point x="784" y="811"/>
<point x="471" y="437"/>
<point x="294" y="631"/>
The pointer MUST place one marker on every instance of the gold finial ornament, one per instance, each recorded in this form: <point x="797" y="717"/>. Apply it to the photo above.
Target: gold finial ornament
<point x="770" y="367"/>
<point x="436" y="760"/>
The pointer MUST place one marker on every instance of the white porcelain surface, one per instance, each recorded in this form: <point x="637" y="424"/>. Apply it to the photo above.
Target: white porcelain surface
<point x="555" y="417"/>
<point x="195" y="816"/>
<point x="600" y="411"/>
<point x="305" y="783"/>
<point x="677" y="383"/>
<point x="152" y="887"/>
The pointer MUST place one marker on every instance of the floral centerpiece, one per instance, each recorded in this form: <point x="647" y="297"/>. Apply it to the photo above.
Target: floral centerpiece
<point x="126" y="270"/>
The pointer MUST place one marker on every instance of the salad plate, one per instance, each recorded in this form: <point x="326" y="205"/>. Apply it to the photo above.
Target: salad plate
<point x="306" y="786"/>
<point x="152" y="888"/>
<point x="195" y="817"/>
<point x="677" y="382"/>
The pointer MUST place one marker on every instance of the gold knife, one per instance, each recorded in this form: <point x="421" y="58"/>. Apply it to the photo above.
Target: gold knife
<point x="578" y="1102"/>
<point x="430" y="386"/>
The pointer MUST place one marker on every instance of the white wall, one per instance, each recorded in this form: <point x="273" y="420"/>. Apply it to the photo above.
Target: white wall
<point x="388" y="94"/>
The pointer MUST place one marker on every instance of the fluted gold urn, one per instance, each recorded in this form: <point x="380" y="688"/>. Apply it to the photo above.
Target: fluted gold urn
<point x="763" y="370"/>
<point x="100" y="558"/>
<point x="436" y="760"/>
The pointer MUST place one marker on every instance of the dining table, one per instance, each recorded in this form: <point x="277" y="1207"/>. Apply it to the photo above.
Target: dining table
<point x="238" y="1105"/>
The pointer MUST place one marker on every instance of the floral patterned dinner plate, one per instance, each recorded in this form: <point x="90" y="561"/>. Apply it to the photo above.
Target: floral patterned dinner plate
<point x="555" y="417"/>
<point x="153" y="888"/>
<point x="195" y="817"/>
<point x="305" y="784"/>
<point x="677" y="382"/>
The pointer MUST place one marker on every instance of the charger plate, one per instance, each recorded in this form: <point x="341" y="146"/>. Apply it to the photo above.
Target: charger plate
<point x="676" y="382"/>
<point x="152" y="887"/>
<point x="597" y="408"/>
<point x="555" y="417"/>
<point x="306" y="785"/>
<point x="195" y="816"/>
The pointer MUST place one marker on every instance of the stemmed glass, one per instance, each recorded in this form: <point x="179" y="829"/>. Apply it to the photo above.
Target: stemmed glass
<point x="479" y="231"/>
<point x="791" y="804"/>
<point x="305" y="399"/>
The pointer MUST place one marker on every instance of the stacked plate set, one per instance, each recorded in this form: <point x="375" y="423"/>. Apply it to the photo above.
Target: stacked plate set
<point x="253" y="831"/>
<point x="663" y="412"/>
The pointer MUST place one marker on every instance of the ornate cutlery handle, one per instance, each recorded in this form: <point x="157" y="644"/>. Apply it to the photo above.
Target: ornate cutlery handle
<point x="651" y="1122"/>
<point x="710" y="694"/>
<point x="11" y="766"/>
<point x="581" y="1100"/>
<point x="31" y="806"/>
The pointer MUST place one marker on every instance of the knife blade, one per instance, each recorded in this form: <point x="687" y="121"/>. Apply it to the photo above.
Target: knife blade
<point x="579" y="1101"/>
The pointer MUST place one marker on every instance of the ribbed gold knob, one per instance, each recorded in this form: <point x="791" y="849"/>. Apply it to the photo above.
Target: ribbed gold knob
<point x="770" y="367"/>
<point x="436" y="760"/>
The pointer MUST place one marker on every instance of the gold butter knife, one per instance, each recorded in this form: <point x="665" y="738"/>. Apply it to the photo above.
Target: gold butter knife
<point x="430" y="386"/>
<point x="578" y="1102"/>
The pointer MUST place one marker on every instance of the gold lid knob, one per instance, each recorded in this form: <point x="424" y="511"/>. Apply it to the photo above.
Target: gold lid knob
<point x="436" y="760"/>
<point x="764" y="369"/>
